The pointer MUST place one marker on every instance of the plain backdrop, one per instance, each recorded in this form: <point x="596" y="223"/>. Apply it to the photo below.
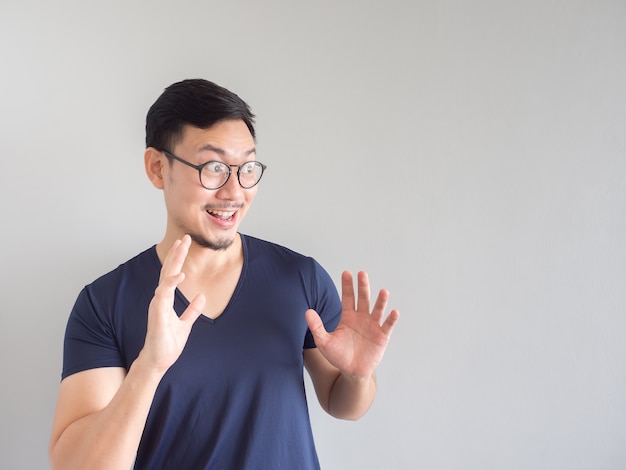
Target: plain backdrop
<point x="470" y="155"/>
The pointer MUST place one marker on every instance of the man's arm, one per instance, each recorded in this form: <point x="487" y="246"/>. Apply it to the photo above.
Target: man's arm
<point x="343" y="365"/>
<point x="101" y="413"/>
<point x="100" y="417"/>
<point x="338" y="395"/>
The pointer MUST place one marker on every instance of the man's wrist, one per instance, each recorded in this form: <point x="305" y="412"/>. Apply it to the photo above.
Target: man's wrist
<point x="142" y="366"/>
<point x="358" y="380"/>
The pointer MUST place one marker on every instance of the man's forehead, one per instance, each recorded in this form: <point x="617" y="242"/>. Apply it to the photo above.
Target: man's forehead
<point x="223" y="141"/>
<point x="224" y="137"/>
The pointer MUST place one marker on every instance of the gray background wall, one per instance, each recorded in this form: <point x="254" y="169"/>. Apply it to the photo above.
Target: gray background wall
<point x="469" y="154"/>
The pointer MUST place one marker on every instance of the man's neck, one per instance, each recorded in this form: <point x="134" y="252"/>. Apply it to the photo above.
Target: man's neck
<point x="201" y="259"/>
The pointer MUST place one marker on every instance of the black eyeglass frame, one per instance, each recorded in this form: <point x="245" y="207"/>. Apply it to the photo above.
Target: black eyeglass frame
<point x="230" y="170"/>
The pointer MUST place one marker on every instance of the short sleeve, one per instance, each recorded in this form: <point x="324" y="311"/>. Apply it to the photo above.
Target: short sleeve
<point x="89" y="339"/>
<point x="327" y="303"/>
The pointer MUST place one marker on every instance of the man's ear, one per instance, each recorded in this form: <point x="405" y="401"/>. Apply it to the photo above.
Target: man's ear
<point x="154" y="162"/>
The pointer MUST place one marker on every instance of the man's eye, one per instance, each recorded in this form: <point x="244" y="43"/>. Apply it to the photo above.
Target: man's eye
<point x="247" y="167"/>
<point x="216" y="167"/>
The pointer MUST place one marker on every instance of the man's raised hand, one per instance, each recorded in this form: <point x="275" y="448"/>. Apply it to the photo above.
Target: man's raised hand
<point x="167" y="333"/>
<point x="358" y="344"/>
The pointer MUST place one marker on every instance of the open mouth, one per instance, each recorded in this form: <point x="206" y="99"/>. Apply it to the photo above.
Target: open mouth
<point x="222" y="215"/>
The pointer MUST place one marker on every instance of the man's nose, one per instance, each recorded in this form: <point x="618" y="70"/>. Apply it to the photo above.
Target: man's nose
<point x="232" y="188"/>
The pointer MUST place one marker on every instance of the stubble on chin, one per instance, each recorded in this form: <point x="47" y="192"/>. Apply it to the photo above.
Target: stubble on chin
<point x="220" y="244"/>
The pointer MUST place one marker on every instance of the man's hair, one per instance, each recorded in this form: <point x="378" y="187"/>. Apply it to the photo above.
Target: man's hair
<point x="194" y="102"/>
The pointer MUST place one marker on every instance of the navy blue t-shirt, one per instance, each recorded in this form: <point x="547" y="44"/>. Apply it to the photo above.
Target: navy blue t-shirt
<point x="235" y="398"/>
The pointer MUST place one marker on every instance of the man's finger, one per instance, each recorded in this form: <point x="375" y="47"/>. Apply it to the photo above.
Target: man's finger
<point x="194" y="310"/>
<point x="316" y="326"/>
<point x="175" y="257"/>
<point x="347" y="291"/>
<point x="363" y="282"/>
<point x="380" y="305"/>
<point x="390" y="322"/>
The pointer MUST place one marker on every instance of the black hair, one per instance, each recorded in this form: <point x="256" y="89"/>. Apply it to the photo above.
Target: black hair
<point x="196" y="102"/>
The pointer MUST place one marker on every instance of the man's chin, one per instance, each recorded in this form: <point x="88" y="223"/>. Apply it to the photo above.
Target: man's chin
<point x="219" y="244"/>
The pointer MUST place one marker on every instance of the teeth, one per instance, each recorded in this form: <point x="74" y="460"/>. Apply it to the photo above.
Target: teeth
<point x="223" y="214"/>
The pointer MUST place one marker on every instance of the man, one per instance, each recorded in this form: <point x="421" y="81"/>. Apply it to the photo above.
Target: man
<point x="190" y="355"/>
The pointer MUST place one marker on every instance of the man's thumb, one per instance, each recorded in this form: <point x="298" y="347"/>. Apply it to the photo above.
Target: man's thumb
<point x="315" y="325"/>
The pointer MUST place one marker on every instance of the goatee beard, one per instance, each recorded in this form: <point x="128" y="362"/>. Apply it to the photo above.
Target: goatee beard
<point x="219" y="245"/>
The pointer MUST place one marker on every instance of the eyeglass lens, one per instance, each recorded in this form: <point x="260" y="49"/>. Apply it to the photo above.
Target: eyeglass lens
<point x="215" y="174"/>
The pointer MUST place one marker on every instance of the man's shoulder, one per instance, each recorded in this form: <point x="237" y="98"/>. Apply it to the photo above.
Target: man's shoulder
<point x="140" y="267"/>
<point x="257" y="246"/>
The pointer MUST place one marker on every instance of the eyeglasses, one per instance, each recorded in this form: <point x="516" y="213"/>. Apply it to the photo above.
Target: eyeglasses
<point x="214" y="174"/>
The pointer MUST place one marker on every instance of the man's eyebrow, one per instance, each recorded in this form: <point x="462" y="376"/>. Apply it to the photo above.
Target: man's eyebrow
<point x="221" y="151"/>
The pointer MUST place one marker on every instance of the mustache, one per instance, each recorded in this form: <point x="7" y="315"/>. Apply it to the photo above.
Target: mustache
<point x="223" y="207"/>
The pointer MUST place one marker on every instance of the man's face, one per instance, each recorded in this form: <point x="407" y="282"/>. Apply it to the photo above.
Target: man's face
<point x="210" y="217"/>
